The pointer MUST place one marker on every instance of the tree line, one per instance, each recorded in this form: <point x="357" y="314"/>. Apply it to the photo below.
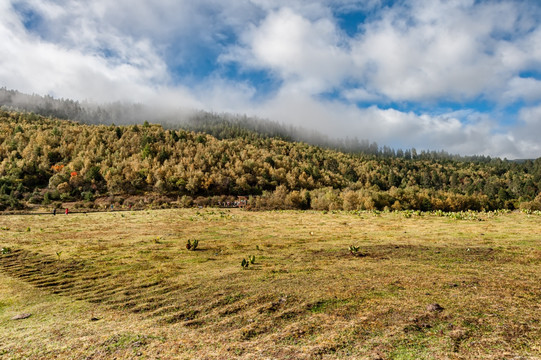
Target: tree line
<point x="221" y="126"/>
<point x="45" y="160"/>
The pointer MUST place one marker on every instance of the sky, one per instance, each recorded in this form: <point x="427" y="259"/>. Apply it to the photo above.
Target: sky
<point x="457" y="75"/>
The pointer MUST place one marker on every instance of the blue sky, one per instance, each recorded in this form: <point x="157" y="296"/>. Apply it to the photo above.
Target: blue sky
<point x="459" y="75"/>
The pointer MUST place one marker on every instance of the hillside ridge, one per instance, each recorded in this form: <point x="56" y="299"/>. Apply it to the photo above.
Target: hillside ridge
<point x="221" y="126"/>
<point x="48" y="160"/>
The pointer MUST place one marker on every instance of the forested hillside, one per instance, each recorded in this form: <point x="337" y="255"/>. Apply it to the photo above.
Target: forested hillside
<point x="221" y="126"/>
<point x="45" y="160"/>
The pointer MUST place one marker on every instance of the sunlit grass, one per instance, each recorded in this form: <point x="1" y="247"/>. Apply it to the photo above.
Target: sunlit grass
<point x="305" y="296"/>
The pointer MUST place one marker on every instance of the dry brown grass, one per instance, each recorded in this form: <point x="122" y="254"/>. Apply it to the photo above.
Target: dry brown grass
<point x="305" y="297"/>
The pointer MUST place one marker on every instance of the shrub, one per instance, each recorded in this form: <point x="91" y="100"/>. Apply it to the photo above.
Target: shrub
<point x="87" y="196"/>
<point x="192" y="245"/>
<point x="356" y="251"/>
<point x="36" y="198"/>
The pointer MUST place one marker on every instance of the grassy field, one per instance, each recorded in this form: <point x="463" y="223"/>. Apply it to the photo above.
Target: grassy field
<point x="123" y="285"/>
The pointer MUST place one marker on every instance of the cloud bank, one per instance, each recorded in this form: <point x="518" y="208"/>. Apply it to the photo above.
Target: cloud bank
<point x="432" y="74"/>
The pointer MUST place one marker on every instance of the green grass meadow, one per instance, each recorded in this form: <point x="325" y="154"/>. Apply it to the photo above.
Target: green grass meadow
<point x="123" y="285"/>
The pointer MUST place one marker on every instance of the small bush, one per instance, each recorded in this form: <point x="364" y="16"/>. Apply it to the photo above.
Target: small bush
<point x="354" y="249"/>
<point x="87" y="196"/>
<point x="192" y="245"/>
<point x="35" y="199"/>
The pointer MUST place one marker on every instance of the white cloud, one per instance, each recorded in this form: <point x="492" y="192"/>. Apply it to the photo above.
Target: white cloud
<point x="527" y="89"/>
<point x="434" y="50"/>
<point x="32" y="64"/>
<point x="360" y="95"/>
<point x="417" y="51"/>
<point x="300" y="51"/>
<point x="528" y="130"/>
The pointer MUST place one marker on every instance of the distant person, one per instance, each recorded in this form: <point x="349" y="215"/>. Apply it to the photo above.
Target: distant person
<point x="54" y="211"/>
<point x="112" y="207"/>
<point x="67" y="211"/>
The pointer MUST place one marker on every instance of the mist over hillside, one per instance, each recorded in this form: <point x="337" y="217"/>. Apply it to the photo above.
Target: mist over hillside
<point x="220" y="125"/>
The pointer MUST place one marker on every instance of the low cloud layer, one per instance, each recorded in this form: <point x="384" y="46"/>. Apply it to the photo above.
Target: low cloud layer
<point x="456" y="75"/>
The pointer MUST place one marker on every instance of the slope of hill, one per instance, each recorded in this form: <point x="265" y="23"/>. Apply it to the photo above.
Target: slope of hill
<point x="221" y="126"/>
<point x="45" y="160"/>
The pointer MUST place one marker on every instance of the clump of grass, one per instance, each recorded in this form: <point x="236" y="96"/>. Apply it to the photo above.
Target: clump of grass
<point x="58" y="253"/>
<point x="5" y="250"/>
<point x="251" y="258"/>
<point x="28" y="229"/>
<point x="244" y="263"/>
<point x="354" y="249"/>
<point x="192" y="245"/>
<point x="407" y="214"/>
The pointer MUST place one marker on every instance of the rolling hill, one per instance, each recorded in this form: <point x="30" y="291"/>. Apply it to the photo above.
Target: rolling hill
<point x="47" y="160"/>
